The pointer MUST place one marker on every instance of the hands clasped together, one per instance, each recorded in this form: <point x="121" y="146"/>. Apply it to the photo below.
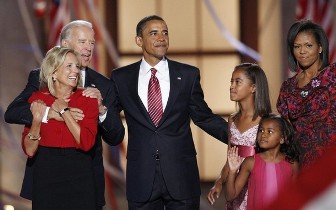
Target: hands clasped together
<point x="38" y="107"/>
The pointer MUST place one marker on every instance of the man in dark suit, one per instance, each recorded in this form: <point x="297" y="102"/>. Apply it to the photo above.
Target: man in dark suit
<point x="162" y="169"/>
<point x="79" y="36"/>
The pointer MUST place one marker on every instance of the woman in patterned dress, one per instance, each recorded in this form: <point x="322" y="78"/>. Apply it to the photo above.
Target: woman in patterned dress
<point x="308" y="99"/>
<point x="249" y="89"/>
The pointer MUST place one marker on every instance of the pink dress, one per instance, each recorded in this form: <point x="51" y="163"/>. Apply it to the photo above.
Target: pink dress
<point x="265" y="182"/>
<point x="245" y="142"/>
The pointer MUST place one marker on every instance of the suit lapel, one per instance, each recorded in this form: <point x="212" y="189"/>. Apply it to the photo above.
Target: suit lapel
<point x="175" y="84"/>
<point x="133" y="91"/>
<point x="88" y="78"/>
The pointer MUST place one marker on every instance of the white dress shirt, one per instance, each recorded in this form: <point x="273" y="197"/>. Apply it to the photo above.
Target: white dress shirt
<point x="83" y="74"/>
<point x="164" y="80"/>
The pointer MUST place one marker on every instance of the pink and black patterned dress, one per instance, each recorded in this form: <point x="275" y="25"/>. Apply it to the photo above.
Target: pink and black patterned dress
<point x="245" y="142"/>
<point x="312" y="111"/>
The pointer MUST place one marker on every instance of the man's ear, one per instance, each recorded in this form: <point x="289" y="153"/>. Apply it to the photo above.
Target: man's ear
<point x="65" y="43"/>
<point x="138" y="41"/>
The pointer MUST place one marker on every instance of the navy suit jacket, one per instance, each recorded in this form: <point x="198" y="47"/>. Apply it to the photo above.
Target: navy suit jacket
<point x="111" y="130"/>
<point x="172" y="138"/>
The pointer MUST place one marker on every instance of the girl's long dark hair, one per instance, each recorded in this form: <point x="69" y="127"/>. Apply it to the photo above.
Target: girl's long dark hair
<point x="257" y="76"/>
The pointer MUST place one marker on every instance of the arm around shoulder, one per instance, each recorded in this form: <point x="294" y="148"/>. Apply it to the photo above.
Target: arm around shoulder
<point x="18" y="111"/>
<point x="203" y="116"/>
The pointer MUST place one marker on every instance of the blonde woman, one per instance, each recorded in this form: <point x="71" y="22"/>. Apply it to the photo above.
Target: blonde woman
<point x="63" y="172"/>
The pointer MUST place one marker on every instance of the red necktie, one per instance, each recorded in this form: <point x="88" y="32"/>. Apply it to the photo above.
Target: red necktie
<point x="155" y="109"/>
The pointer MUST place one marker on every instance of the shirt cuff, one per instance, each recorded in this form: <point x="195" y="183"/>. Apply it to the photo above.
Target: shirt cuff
<point x="102" y="117"/>
<point x="45" y="117"/>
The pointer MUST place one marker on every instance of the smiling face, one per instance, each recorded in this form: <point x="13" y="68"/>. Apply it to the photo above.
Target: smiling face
<point x="269" y="134"/>
<point x="307" y="51"/>
<point x="68" y="73"/>
<point x="154" y="41"/>
<point x="241" y="86"/>
<point x="81" y="39"/>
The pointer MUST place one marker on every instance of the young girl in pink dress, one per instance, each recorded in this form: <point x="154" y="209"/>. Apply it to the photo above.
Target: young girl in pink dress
<point x="269" y="170"/>
<point x="249" y="88"/>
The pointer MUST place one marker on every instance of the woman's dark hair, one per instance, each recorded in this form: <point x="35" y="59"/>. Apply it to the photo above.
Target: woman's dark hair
<point x="319" y="35"/>
<point x="289" y="146"/>
<point x="257" y="76"/>
<point x="142" y="23"/>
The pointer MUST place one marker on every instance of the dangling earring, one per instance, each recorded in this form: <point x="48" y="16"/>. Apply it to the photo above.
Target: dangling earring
<point x="53" y="79"/>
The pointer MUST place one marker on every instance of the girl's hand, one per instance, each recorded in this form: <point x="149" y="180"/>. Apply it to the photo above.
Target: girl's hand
<point x="234" y="159"/>
<point x="215" y="191"/>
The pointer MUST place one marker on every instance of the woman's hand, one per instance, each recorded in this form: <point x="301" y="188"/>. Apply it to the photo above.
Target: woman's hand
<point x="38" y="109"/>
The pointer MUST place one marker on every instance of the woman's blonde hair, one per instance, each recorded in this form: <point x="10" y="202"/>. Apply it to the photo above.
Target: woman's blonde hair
<point x="54" y="58"/>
